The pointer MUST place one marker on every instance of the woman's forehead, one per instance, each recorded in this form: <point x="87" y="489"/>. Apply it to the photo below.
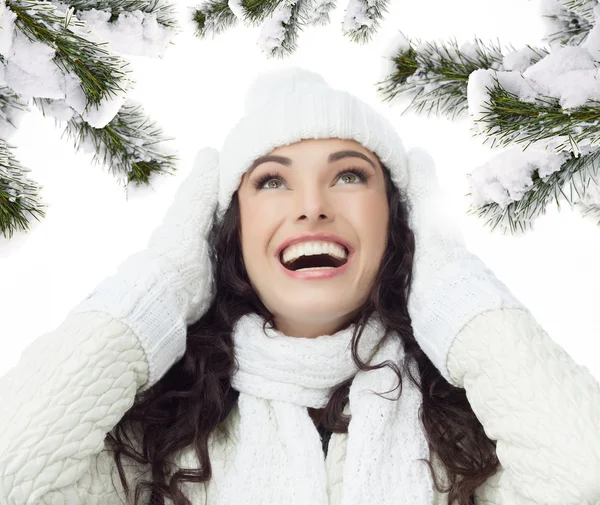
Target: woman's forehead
<point x="321" y="144"/>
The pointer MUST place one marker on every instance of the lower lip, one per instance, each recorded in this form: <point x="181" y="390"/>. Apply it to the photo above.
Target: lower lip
<point x="317" y="274"/>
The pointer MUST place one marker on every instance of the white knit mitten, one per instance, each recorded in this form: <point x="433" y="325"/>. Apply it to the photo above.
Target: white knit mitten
<point x="450" y="284"/>
<point x="159" y="291"/>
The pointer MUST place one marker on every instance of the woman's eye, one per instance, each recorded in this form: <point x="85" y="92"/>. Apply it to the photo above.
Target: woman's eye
<point x="358" y="173"/>
<point x="350" y="174"/>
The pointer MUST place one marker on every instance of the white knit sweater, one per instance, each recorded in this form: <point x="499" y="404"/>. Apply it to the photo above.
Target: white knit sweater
<point x="73" y="384"/>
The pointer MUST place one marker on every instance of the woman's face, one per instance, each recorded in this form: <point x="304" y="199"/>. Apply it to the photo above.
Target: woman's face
<point x="313" y="194"/>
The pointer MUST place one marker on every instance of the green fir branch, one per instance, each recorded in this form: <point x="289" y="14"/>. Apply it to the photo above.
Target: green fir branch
<point x="291" y="30"/>
<point x="507" y="120"/>
<point x="583" y="8"/>
<point x="520" y="214"/>
<point x="166" y="13"/>
<point x="436" y="76"/>
<point x="374" y="10"/>
<point x="11" y="104"/>
<point x="99" y="71"/>
<point x="259" y="10"/>
<point x="214" y="16"/>
<point x="573" y="22"/>
<point x="130" y="144"/>
<point x="318" y="15"/>
<point x="590" y="211"/>
<point x="571" y="29"/>
<point x="19" y="195"/>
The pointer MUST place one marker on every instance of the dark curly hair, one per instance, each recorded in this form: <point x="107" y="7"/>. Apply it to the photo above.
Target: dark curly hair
<point x="195" y="395"/>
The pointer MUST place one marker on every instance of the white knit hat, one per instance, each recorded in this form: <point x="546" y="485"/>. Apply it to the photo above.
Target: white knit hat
<point x="286" y="106"/>
<point x="158" y="292"/>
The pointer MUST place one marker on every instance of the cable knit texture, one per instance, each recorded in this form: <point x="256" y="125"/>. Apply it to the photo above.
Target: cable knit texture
<point x="73" y="384"/>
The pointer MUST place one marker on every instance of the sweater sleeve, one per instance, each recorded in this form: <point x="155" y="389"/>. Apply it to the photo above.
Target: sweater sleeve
<point x="541" y="407"/>
<point x="70" y="388"/>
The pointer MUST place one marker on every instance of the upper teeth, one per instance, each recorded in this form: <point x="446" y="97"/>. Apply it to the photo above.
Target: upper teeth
<point x="309" y="248"/>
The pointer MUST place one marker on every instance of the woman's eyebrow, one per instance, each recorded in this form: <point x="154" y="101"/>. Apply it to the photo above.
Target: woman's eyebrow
<point x="332" y="157"/>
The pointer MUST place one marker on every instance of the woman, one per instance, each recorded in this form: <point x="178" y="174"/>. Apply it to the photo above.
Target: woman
<point x="230" y="364"/>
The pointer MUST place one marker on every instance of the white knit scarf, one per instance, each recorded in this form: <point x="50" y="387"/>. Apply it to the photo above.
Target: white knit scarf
<point x="279" y="459"/>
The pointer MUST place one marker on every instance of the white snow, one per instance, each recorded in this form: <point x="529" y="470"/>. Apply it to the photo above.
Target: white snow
<point x="10" y="120"/>
<point x="506" y="178"/>
<point x="7" y="28"/>
<point x="356" y="15"/>
<point x="236" y="8"/>
<point x="32" y="72"/>
<point x="319" y="13"/>
<point x="478" y="86"/>
<point x="468" y="49"/>
<point x="519" y="60"/>
<point x="272" y="32"/>
<point x="60" y="110"/>
<point x="137" y="33"/>
<point x="399" y="43"/>
<point x="555" y="18"/>
<point x="592" y="42"/>
<point x="568" y="74"/>
<point x="100" y="116"/>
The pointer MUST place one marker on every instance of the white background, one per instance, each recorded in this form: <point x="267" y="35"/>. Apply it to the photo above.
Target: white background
<point x="196" y="93"/>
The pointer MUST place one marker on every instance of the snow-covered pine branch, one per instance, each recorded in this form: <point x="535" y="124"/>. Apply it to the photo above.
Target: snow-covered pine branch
<point x="48" y="56"/>
<point x="215" y="16"/>
<point x="12" y="111"/>
<point x="319" y="11"/>
<point x="546" y="102"/>
<point x="163" y="11"/>
<point x="515" y="186"/>
<point x="62" y="63"/>
<point x="363" y="18"/>
<point x="552" y="108"/>
<point x="567" y="22"/>
<point x="135" y="27"/>
<point x="279" y="33"/>
<point x="130" y="144"/>
<point x="509" y="108"/>
<point x="583" y="8"/>
<point x="19" y="195"/>
<point x="554" y="103"/>
<point x="283" y="20"/>
<point x="435" y="75"/>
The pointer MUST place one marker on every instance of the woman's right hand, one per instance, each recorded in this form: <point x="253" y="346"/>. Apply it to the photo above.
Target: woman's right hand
<point x="159" y="291"/>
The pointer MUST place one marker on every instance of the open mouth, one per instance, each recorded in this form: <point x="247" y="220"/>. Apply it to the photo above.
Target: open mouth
<point x="314" y="261"/>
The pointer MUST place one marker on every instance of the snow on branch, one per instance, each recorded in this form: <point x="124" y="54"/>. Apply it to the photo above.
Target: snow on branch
<point x="542" y="106"/>
<point x="282" y="21"/>
<point x="64" y="65"/>
<point x="436" y="75"/>
<point x="567" y="22"/>
<point x="135" y="27"/>
<point x="515" y="186"/>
